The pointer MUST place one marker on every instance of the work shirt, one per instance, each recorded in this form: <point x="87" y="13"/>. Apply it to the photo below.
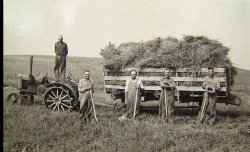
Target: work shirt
<point x="169" y="81"/>
<point x="212" y="81"/>
<point x="85" y="84"/>
<point x="139" y="84"/>
<point x="61" y="49"/>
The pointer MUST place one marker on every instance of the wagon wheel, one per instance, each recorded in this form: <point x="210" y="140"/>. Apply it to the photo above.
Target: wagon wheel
<point x="119" y="106"/>
<point x="58" y="98"/>
<point x="14" y="98"/>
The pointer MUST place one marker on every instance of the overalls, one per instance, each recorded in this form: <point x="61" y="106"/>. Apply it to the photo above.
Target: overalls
<point x="132" y="90"/>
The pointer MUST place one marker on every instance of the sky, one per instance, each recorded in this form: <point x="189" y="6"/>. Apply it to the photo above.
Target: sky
<point x="33" y="26"/>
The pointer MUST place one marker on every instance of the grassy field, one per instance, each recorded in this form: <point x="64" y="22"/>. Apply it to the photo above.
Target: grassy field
<point x="35" y="128"/>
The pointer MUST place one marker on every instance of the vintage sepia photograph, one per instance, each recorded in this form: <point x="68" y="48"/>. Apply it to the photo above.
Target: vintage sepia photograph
<point x="126" y="76"/>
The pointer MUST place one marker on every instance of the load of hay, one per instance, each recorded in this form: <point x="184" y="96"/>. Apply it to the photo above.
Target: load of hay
<point x="194" y="52"/>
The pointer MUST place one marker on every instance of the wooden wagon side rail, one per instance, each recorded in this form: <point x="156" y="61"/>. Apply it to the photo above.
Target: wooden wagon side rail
<point x="179" y="88"/>
<point x="154" y="78"/>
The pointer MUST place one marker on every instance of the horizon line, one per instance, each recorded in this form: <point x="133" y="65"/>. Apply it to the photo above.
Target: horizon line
<point x="50" y="55"/>
<point x="83" y="57"/>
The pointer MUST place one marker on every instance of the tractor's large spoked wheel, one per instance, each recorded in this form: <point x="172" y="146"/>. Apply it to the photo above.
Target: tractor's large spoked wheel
<point x="58" y="99"/>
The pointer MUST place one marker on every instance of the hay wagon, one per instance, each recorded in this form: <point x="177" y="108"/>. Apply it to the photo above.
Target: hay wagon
<point x="188" y="83"/>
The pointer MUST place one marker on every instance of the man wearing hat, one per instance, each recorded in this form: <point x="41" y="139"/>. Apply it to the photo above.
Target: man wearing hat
<point x="61" y="50"/>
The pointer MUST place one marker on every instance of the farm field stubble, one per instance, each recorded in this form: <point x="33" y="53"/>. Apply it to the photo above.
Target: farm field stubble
<point x="35" y="128"/>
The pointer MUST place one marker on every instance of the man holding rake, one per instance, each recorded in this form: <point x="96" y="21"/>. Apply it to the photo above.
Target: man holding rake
<point x="166" y="111"/>
<point x="85" y="88"/>
<point x="132" y="95"/>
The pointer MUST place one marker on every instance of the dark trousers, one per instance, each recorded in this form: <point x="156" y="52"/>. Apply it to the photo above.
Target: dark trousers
<point x="166" y="111"/>
<point x="60" y="68"/>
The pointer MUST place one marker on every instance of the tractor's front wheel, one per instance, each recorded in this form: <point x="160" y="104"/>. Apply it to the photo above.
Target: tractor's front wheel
<point x="14" y="98"/>
<point x="58" y="99"/>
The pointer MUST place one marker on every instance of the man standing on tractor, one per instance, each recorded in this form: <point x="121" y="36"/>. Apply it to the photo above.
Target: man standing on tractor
<point x="85" y="88"/>
<point x="61" y="50"/>
<point x="132" y="96"/>
<point x="167" y="100"/>
<point x="211" y="84"/>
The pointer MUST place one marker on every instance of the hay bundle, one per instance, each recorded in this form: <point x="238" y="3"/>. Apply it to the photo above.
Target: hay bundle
<point x="191" y="52"/>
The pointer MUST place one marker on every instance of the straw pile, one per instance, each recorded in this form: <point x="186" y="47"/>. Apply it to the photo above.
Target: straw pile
<point x="193" y="52"/>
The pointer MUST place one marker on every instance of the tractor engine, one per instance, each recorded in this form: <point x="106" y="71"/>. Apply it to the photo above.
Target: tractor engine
<point x="24" y="81"/>
<point x="29" y="85"/>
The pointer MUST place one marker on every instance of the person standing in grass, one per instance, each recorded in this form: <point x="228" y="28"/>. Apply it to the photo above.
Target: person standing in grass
<point x="211" y="84"/>
<point x="61" y="50"/>
<point x="167" y="100"/>
<point x="132" y="95"/>
<point x="85" y="88"/>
